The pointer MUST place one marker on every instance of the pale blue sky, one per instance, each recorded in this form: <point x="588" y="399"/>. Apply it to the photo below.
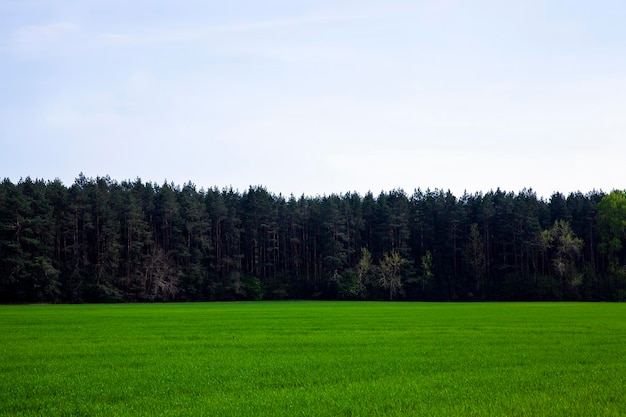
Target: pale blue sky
<point x="317" y="97"/>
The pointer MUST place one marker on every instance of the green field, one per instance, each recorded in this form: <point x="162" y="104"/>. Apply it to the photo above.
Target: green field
<point x="313" y="359"/>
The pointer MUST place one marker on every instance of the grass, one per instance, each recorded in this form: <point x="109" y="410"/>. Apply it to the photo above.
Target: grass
<point x="313" y="359"/>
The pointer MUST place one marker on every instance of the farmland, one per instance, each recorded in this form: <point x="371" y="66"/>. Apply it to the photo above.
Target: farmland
<point x="313" y="359"/>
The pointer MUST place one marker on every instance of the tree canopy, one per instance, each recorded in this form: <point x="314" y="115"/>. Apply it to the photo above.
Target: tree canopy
<point x="100" y="240"/>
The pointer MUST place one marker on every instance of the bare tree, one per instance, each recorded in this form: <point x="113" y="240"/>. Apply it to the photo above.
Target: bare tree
<point x="160" y="280"/>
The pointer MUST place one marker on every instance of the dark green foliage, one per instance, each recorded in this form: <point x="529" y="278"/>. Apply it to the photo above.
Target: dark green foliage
<point x="102" y="241"/>
<point x="612" y="231"/>
<point x="252" y="288"/>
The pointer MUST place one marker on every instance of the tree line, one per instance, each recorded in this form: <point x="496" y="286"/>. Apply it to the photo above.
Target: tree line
<point x="100" y="240"/>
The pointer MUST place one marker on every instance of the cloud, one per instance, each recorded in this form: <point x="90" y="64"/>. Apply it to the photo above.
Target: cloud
<point x="43" y="33"/>
<point x="210" y="32"/>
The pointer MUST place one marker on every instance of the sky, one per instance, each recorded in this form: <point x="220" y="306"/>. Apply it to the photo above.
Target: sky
<point x="317" y="97"/>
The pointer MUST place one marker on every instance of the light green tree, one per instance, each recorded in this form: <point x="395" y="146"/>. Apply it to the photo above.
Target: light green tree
<point x="427" y="274"/>
<point x="391" y="272"/>
<point x="612" y="227"/>
<point x="566" y="249"/>
<point x="363" y="271"/>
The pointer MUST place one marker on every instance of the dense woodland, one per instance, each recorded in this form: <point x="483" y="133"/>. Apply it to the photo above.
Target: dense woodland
<point x="99" y="240"/>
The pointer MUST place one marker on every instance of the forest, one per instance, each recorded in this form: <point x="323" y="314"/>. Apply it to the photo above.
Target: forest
<point x="100" y="240"/>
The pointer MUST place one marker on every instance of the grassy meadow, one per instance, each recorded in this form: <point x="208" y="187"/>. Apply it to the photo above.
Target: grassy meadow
<point x="313" y="359"/>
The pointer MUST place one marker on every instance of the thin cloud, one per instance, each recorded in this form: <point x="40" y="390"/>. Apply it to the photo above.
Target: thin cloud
<point x="177" y="35"/>
<point x="37" y="34"/>
<point x="34" y="40"/>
